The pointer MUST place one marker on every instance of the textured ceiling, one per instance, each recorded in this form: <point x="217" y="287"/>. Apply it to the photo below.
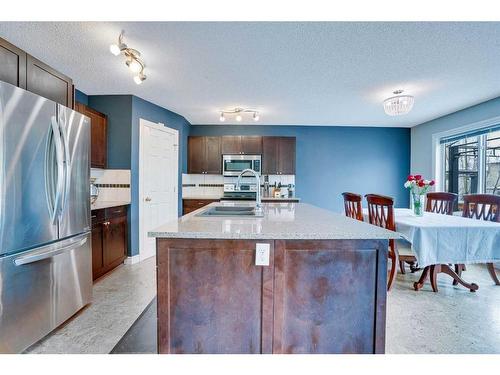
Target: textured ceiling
<point x="329" y="73"/>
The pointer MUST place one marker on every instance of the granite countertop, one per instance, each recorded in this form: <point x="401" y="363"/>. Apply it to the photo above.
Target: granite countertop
<point x="200" y="197"/>
<point x="107" y="204"/>
<point x="281" y="221"/>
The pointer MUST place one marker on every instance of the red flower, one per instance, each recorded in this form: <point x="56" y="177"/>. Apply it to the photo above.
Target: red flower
<point x="411" y="178"/>
<point x="420" y="183"/>
<point x="432" y="183"/>
<point x="418" y="177"/>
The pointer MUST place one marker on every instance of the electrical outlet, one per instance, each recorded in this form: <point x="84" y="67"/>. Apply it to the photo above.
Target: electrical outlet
<point x="262" y="251"/>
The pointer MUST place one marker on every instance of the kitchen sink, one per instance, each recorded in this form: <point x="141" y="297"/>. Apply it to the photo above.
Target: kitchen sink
<point x="230" y="211"/>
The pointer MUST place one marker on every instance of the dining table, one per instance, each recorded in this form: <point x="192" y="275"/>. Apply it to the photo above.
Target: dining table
<point x="441" y="242"/>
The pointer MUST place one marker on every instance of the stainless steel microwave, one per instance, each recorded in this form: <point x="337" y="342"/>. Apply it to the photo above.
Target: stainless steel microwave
<point x="233" y="165"/>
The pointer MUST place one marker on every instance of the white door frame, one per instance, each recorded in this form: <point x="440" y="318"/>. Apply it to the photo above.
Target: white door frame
<point x="161" y="127"/>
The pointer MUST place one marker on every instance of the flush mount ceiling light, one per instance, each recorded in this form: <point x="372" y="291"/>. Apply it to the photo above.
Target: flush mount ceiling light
<point x="238" y="114"/>
<point x="133" y="59"/>
<point x="399" y="104"/>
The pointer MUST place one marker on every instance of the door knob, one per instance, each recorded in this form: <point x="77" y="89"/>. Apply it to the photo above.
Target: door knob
<point x="148" y="199"/>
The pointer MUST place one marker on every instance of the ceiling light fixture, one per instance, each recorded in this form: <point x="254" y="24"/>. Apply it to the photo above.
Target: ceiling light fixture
<point x="133" y="59"/>
<point x="399" y="104"/>
<point x="239" y="112"/>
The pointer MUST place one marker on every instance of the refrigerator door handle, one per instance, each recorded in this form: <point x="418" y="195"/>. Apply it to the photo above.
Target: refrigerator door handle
<point x="50" y="250"/>
<point x="60" y="168"/>
<point x="67" y="166"/>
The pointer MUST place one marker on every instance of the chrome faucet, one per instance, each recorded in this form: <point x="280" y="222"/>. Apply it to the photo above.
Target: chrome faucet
<point x="258" y="204"/>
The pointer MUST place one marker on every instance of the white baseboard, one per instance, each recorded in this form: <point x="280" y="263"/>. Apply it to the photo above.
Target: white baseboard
<point x="133" y="259"/>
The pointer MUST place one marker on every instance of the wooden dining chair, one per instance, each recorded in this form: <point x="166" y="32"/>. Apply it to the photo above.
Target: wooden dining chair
<point x="352" y="205"/>
<point x="381" y="213"/>
<point x="441" y="203"/>
<point x="483" y="207"/>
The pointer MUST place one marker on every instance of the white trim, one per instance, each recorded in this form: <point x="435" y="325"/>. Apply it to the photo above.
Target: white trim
<point x="437" y="152"/>
<point x="161" y="127"/>
<point x="133" y="259"/>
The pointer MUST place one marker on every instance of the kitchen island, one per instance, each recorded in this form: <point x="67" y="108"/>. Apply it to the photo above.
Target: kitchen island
<point x="322" y="288"/>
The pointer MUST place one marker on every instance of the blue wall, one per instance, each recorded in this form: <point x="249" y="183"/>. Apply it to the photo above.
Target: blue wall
<point x="81" y="97"/>
<point x="118" y="109"/>
<point x="331" y="160"/>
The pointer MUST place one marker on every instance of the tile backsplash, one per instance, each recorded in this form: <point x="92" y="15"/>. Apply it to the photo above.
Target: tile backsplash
<point x="113" y="184"/>
<point x="202" y="185"/>
<point x="212" y="186"/>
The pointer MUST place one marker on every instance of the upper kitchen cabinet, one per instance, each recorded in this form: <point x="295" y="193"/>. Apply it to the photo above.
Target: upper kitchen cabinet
<point x="12" y="64"/>
<point x="25" y="71"/>
<point x="278" y="155"/>
<point x="204" y="155"/>
<point x="47" y="82"/>
<point x="238" y="144"/>
<point x="98" y="135"/>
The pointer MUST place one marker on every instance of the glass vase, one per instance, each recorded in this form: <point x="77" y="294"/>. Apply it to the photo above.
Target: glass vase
<point x="418" y="204"/>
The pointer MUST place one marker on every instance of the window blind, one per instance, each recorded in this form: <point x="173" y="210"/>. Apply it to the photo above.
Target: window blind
<point x="473" y="133"/>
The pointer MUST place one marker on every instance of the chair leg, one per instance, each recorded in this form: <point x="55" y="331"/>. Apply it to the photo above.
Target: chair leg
<point x="458" y="270"/>
<point x="491" y="270"/>
<point x="392" y="274"/>
<point x="402" y="266"/>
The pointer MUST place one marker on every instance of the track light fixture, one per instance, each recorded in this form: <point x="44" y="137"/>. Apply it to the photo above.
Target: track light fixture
<point x="238" y="113"/>
<point x="133" y="59"/>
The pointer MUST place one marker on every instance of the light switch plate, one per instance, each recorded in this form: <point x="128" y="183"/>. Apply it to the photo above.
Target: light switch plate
<point x="262" y="251"/>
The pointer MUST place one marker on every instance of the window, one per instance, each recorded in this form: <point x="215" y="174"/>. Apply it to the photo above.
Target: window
<point x="472" y="162"/>
<point x="493" y="163"/>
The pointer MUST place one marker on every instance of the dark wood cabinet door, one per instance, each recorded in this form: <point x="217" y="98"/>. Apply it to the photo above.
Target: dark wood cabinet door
<point x="286" y="155"/>
<point x="99" y="148"/>
<point x="314" y="303"/>
<point x="270" y="155"/>
<point x="212" y="298"/>
<point x="12" y="64"/>
<point x="196" y="155"/>
<point x="213" y="156"/>
<point x="98" y="135"/>
<point x="251" y="145"/>
<point x="115" y="240"/>
<point x="97" y="251"/>
<point x="231" y="144"/>
<point x="47" y="82"/>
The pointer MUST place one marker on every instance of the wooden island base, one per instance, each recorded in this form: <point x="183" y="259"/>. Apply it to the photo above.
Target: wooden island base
<point x="316" y="296"/>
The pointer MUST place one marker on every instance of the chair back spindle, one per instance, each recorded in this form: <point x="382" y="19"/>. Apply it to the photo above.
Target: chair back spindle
<point x="352" y="205"/>
<point x="482" y="207"/>
<point x="381" y="211"/>
<point x="441" y="203"/>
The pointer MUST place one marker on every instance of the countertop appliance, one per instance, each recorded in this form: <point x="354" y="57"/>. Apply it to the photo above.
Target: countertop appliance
<point x="233" y="165"/>
<point x="45" y="245"/>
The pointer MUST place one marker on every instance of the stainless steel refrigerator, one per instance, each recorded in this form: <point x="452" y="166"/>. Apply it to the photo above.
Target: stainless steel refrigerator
<point x="45" y="244"/>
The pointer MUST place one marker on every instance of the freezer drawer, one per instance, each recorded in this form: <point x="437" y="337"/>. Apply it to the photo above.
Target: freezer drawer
<point x="42" y="288"/>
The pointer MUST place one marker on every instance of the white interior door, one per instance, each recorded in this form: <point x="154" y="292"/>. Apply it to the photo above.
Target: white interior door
<point x="159" y="163"/>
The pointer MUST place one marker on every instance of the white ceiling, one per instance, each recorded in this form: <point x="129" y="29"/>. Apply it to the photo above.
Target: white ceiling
<point x="330" y="73"/>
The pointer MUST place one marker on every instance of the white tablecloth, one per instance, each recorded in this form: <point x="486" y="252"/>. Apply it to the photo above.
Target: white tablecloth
<point x="441" y="239"/>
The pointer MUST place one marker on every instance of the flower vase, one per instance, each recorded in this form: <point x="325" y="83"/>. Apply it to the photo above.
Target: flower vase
<point x="418" y="204"/>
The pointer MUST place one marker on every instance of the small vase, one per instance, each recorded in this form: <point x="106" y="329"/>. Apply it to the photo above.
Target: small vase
<point x="418" y="204"/>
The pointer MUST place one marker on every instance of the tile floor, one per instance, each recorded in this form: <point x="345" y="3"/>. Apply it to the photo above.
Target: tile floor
<point x="118" y="299"/>
<point x="451" y="321"/>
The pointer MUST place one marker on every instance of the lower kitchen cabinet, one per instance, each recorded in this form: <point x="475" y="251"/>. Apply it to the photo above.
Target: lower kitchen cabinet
<point x="190" y="205"/>
<point x="109" y="239"/>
